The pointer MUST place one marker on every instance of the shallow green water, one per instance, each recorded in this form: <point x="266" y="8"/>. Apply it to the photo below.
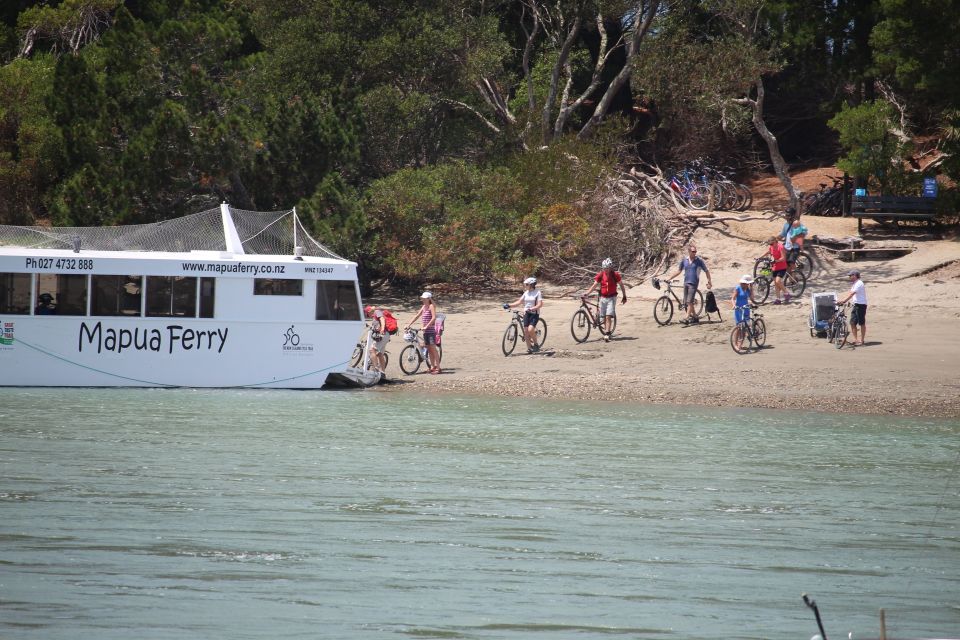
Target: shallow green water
<point x="275" y="514"/>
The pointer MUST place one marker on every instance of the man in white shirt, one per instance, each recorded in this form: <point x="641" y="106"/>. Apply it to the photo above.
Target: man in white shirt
<point x="859" y="316"/>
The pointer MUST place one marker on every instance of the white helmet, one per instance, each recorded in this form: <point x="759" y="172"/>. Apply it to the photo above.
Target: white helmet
<point x="747" y="279"/>
<point x="530" y="280"/>
<point x="426" y="295"/>
<point x="606" y="264"/>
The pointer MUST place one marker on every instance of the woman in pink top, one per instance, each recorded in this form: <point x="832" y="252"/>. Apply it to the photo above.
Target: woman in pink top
<point x="428" y="319"/>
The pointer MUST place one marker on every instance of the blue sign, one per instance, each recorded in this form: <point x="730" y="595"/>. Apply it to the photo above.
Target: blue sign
<point x="929" y="187"/>
<point x="860" y="192"/>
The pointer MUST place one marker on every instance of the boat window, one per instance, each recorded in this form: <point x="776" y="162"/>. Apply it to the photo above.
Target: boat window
<point x="207" y="291"/>
<point x="172" y="296"/>
<point x="271" y="287"/>
<point x="61" y="295"/>
<point x="116" y="295"/>
<point x="15" y="293"/>
<point x="337" y="300"/>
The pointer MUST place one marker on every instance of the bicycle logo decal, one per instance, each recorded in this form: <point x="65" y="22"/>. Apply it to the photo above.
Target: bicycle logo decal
<point x="291" y="337"/>
<point x="292" y="346"/>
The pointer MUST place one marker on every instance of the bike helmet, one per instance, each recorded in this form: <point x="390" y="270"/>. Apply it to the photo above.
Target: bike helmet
<point x="530" y="280"/>
<point x="426" y="295"/>
<point x="747" y="279"/>
<point x="607" y="263"/>
<point x="367" y="311"/>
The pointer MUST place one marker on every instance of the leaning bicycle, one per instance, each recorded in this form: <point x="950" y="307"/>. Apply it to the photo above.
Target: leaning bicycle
<point x="416" y="353"/>
<point x="588" y="317"/>
<point x="361" y="348"/>
<point x="749" y="334"/>
<point x="516" y="329"/>
<point x="839" y="329"/>
<point x="663" y="307"/>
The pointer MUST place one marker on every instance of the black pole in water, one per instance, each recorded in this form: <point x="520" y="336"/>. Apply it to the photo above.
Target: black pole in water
<point x="816" y="612"/>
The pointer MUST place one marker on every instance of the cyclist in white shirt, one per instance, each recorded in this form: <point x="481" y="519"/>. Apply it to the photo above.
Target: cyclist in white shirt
<point x="858" y="317"/>
<point x="532" y="301"/>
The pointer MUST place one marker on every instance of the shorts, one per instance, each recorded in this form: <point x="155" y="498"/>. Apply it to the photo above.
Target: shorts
<point x="381" y="343"/>
<point x="792" y="255"/>
<point x="741" y="315"/>
<point x="530" y="319"/>
<point x="779" y="273"/>
<point x="430" y="337"/>
<point x="608" y="307"/>
<point x="689" y="294"/>
<point x="859" y="315"/>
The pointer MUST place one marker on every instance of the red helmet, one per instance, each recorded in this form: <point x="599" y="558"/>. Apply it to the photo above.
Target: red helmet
<point x="367" y="310"/>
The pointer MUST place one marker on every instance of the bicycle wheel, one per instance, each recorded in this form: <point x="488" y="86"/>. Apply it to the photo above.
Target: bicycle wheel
<point x="745" y="342"/>
<point x="663" y="310"/>
<point x="613" y="326"/>
<point x="580" y="326"/>
<point x="509" y="339"/>
<point x="762" y="266"/>
<point x="426" y="357"/>
<point x="745" y="196"/>
<point x="840" y="332"/>
<point x="761" y="289"/>
<point x="410" y="359"/>
<point x="759" y="332"/>
<point x="698" y="197"/>
<point x="698" y="303"/>
<point x="541" y="336"/>
<point x="386" y="360"/>
<point x="357" y="356"/>
<point x="804" y="264"/>
<point x="795" y="282"/>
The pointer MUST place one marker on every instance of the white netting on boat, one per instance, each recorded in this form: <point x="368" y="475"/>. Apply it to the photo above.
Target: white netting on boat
<point x="263" y="233"/>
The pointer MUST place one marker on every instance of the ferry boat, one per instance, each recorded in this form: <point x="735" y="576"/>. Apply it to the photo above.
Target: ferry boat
<point x="222" y="298"/>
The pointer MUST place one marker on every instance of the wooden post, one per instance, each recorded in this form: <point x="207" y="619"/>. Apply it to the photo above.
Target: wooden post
<point x="883" y="625"/>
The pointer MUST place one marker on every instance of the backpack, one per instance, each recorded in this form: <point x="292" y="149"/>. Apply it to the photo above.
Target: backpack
<point x="389" y="323"/>
<point x="710" y="303"/>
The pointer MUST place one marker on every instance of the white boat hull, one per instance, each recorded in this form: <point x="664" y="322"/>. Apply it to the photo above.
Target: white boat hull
<point x="171" y="352"/>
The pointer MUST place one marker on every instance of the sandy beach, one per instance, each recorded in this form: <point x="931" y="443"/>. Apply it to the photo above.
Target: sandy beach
<point x="909" y="366"/>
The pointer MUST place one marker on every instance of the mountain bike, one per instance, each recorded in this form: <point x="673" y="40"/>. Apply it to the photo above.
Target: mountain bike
<point x="416" y="353"/>
<point x="357" y="357"/>
<point x="516" y="329"/>
<point x="794" y="281"/>
<point x="763" y="266"/>
<point x="588" y="317"/>
<point x="663" y="307"/>
<point x="838" y="330"/>
<point x="826" y="202"/>
<point x="749" y="334"/>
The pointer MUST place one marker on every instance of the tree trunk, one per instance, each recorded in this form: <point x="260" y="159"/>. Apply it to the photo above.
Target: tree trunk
<point x="639" y="31"/>
<point x="779" y="164"/>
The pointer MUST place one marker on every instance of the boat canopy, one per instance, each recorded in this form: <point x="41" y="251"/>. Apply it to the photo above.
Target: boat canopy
<point x="222" y="229"/>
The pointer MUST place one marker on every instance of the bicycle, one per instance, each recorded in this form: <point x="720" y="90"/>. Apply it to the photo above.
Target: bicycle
<point x="749" y="335"/>
<point x="588" y="317"/>
<point x="663" y="307"/>
<point x="357" y="357"/>
<point x="764" y="263"/>
<point x="516" y="329"/>
<point x="794" y="281"/>
<point x="839" y="330"/>
<point x="416" y="353"/>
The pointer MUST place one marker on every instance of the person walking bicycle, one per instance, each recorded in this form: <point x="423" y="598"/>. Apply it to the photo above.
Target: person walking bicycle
<point x="858" y="317"/>
<point x="740" y="303"/>
<point x="532" y="301"/>
<point x="778" y="267"/>
<point x="690" y="267"/>
<point x="379" y="337"/>
<point x="608" y="280"/>
<point x="428" y="319"/>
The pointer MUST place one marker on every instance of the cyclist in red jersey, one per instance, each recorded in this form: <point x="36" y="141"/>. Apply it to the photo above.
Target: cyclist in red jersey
<point x="608" y="280"/>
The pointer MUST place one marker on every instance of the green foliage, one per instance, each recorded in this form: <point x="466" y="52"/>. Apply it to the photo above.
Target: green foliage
<point x="871" y="150"/>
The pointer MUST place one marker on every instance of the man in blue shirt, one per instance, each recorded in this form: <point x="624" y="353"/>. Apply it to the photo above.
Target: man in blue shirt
<point x="691" y="266"/>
